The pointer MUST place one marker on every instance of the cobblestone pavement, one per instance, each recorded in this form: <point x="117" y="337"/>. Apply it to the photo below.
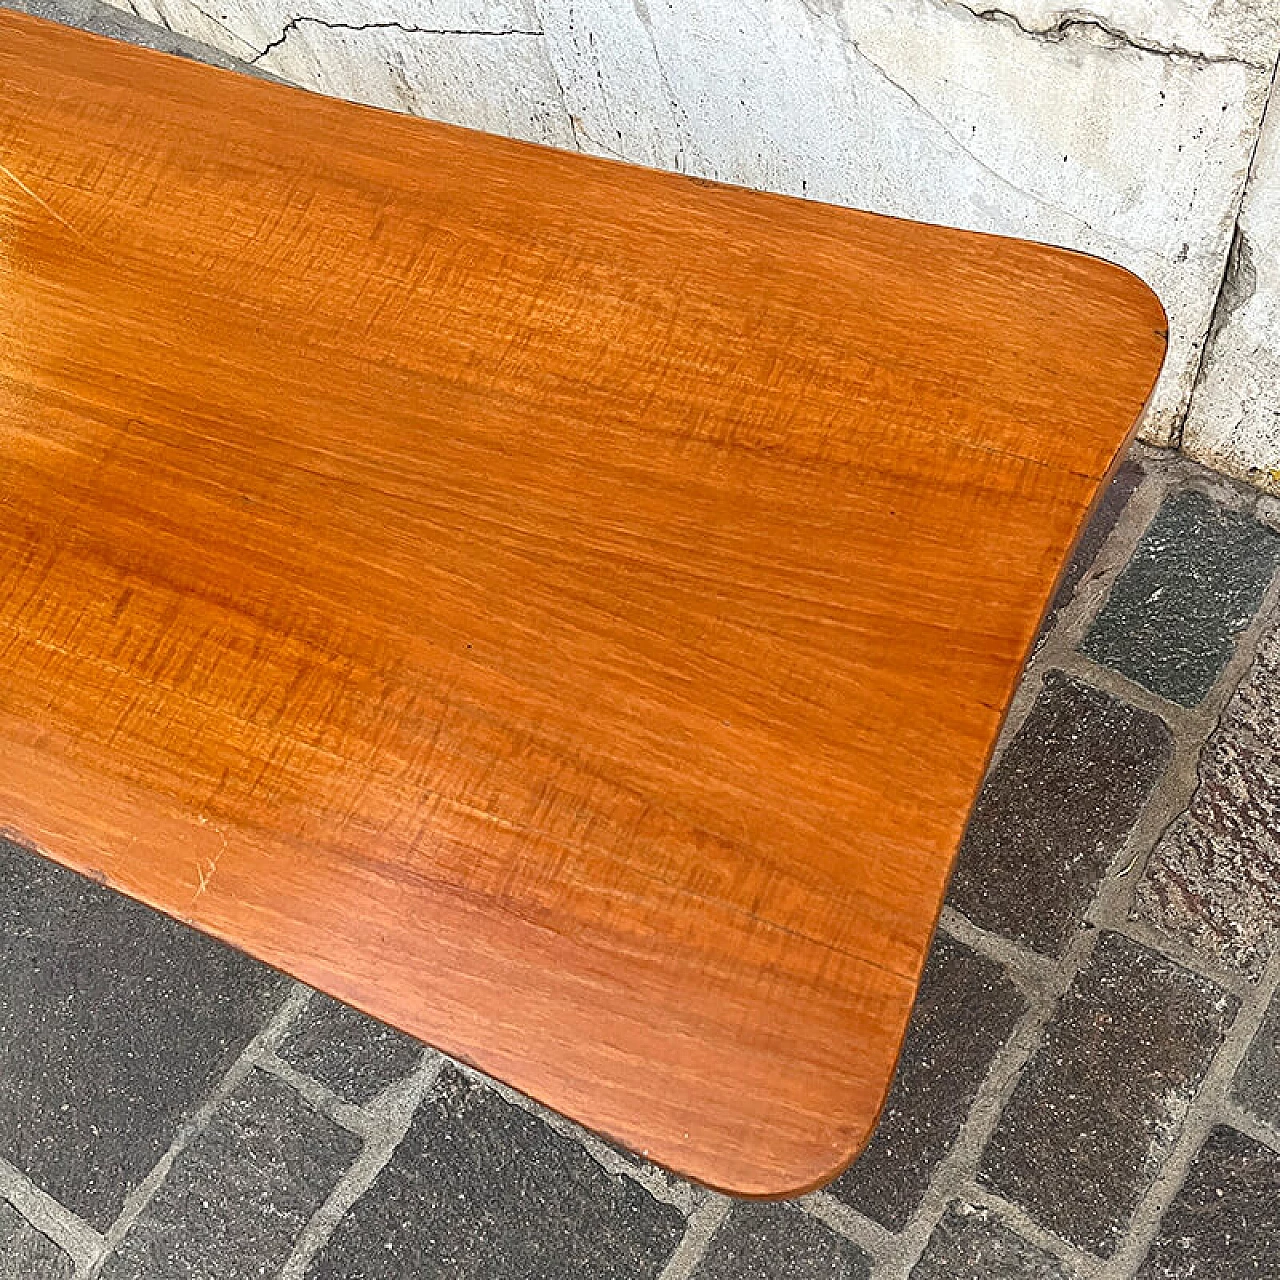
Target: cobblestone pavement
<point x="1090" y="1089"/>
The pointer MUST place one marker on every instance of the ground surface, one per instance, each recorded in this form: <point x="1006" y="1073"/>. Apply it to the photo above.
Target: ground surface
<point x="1090" y="1088"/>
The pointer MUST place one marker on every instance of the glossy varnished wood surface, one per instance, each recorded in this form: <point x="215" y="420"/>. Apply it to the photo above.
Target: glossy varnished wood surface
<point x="561" y="608"/>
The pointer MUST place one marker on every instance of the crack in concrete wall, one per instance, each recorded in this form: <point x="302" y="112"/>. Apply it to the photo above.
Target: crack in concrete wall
<point x="852" y="45"/>
<point x="1239" y="284"/>
<point x="1074" y="22"/>
<point x="304" y="19"/>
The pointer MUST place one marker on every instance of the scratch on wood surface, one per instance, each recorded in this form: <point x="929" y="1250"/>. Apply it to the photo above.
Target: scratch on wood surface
<point x="43" y="204"/>
<point x="205" y="870"/>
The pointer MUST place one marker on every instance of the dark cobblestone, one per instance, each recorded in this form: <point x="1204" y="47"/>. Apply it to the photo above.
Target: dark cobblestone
<point x="480" y="1189"/>
<point x="237" y="1198"/>
<point x="776" y="1242"/>
<point x="25" y="1254"/>
<point x="356" y="1056"/>
<point x="1257" y="1085"/>
<point x="1054" y="812"/>
<point x="971" y="1243"/>
<point x="1101" y="1104"/>
<point x="1225" y="1222"/>
<point x="1195" y="581"/>
<point x="965" y="1011"/>
<point x="116" y="1023"/>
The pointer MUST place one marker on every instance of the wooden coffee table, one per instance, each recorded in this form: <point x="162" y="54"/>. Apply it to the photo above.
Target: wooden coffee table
<point x="560" y="608"/>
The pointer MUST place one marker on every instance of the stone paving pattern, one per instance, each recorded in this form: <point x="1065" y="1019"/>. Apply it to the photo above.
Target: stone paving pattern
<point x="1089" y="1090"/>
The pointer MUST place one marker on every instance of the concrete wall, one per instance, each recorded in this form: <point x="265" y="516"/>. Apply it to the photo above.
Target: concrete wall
<point x="1128" y="130"/>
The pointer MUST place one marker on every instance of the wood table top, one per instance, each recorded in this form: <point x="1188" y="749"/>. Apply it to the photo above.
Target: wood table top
<point x="561" y="608"/>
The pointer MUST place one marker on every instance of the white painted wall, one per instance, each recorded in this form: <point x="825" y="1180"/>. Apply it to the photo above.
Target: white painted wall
<point x="1126" y="130"/>
<point x="1234" y="422"/>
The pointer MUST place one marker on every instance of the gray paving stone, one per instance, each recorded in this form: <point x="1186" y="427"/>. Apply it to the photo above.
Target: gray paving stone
<point x="1102" y="1102"/>
<point x="238" y="1196"/>
<point x="1193" y="584"/>
<point x="26" y="1254"/>
<point x="778" y="1242"/>
<point x="1055" y="810"/>
<point x="1214" y="878"/>
<point x="481" y="1190"/>
<point x="115" y="1024"/>
<point x="965" y="1011"/>
<point x="356" y="1056"/>
<point x="1225" y="1222"/>
<point x="1257" y="1084"/>
<point x="971" y="1243"/>
<point x="1107" y="513"/>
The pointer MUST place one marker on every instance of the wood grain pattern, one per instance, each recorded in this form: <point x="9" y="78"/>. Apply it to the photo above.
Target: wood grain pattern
<point x="560" y="608"/>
